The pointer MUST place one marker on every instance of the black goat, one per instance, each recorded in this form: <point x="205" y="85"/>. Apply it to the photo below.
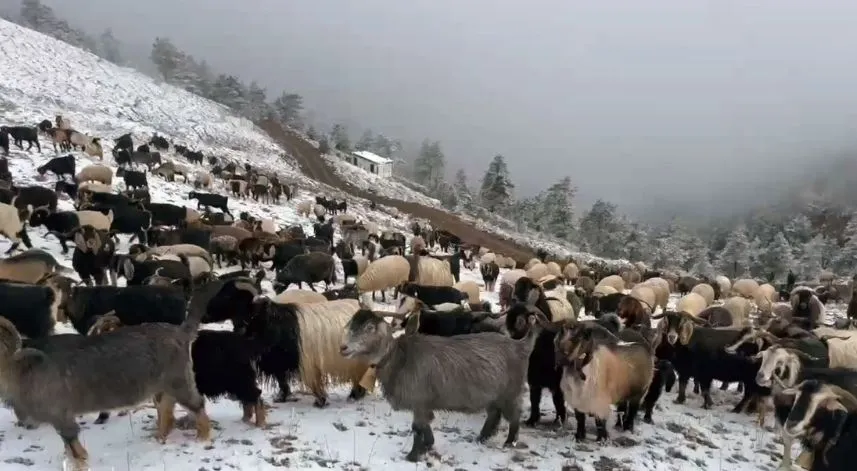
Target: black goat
<point x="135" y="179"/>
<point x="31" y="308"/>
<point x="20" y="134"/>
<point x="433" y="295"/>
<point x="210" y="200"/>
<point x="307" y="268"/>
<point x="133" y="305"/>
<point x="59" y="166"/>
<point x="60" y="223"/>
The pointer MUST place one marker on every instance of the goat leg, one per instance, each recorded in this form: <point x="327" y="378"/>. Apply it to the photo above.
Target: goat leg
<point x="535" y="400"/>
<point x="559" y="404"/>
<point x="102" y="417"/>
<point x="492" y="422"/>
<point x="580" y="433"/>
<point x="743" y="402"/>
<point x="512" y="413"/>
<point x="705" y="386"/>
<point x="631" y="415"/>
<point x="601" y="430"/>
<point x="682" y="389"/>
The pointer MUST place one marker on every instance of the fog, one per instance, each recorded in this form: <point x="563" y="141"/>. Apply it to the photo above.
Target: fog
<point x="659" y="106"/>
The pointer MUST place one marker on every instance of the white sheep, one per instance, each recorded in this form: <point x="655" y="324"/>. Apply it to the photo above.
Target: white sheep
<point x="371" y="227"/>
<point x="470" y="288"/>
<point x="319" y="211"/>
<point x="95" y="173"/>
<point x="298" y="296"/>
<point x="433" y="272"/>
<point x="531" y="262"/>
<point x="691" y="303"/>
<point x="571" y="271"/>
<point x="554" y="269"/>
<point x="344" y="219"/>
<point x="841" y="349"/>
<point x="641" y="267"/>
<point x="537" y="271"/>
<point x="765" y="297"/>
<point x="384" y="273"/>
<point x="512" y="276"/>
<point x="96" y="219"/>
<point x="614" y="281"/>
<point x="603" y="290"/>
<point x="268" y="226"/>
<point x="418" y="244"/>
<point x="10" y="223"/>
<point x="661" y="287"/>
<point x="646" y="295"/>
<point x="304" y="208"/>
<point x="202" y="179"/>
<point x="93" y="187"/>
<point x="706" y="291"/>
<point x="189" y="250"/>
<point x="725" y="285"/>
<point x="745" y="287"/>
<point x="198" y="266"/>
<point x="740" y="309"/>
<point x="506" y="262"/>
<point x="488" y="258"/>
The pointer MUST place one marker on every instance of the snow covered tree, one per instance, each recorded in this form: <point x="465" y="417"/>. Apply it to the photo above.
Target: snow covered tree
<point x="289" y="107"/>
<point x="230" y="92"/>
<point x="366" y="141"/>
<point x="446" y="194"/>
<point x="603" y="230"/>
<point x="734" y="259"/>
<point x="166" y="57"/>
<point x="637" y="246"/>
<point x="812" y="258"/>
<point x="385" y="147"/>
<point x="798" y="231"/>
<point x="462" y="190"/>
<point x="430" y="164"/>
<point x="339" y="136"/>
<point x="846" y="260"/>
<point x="256" y="103"/>
<point x="312" y="133"/>
<point x="776" y="257"/>
<point x="109" y="47"/>
<point x="700" y="265"/>
<point x="323" y="145"/>
<point x="558" y="213"/>
<point x="497" y="187"/>
<point x="37" y="16"/>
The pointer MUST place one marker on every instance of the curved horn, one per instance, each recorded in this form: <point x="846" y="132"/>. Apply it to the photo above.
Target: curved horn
<point x="659" y="316"/>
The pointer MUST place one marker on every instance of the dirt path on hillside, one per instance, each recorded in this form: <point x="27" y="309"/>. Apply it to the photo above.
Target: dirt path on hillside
<point x="311" y="163"/>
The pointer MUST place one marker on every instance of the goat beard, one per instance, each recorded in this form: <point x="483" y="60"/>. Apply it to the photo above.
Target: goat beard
<point x="578" y="365"/>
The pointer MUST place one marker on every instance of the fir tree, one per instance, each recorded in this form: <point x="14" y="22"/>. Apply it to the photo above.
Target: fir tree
<point x="776" y="257"/>
<point x="256" y="106"/>
<point x="312" y="133"/>
<point x="323" y="145"/>
<point x="339" y="136"/>
<point x="462" y="190"/>
<point x="812" y="258"/>
<point x="289" y="107"/>
<point x="230" y="92"/>
<point x="166" y="57"/>
<point x="558" y="214"/>
<point x="846" y="259"/>
<point x="429" y="164"/>
<point x="497" y="187"/>
<point x="366" y="141"/>
<point x="735" y="257"/>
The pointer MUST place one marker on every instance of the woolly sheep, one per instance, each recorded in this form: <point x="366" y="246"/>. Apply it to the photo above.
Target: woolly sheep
<point x="571" y="272"/>
<point x="842" y="351"/>
<point x="706" y="291"/>
<point x="641" y="267"/>
<point x="765" y="297"/>
<point x="661" y="287"/>
<point x="98" y="173"/>
<point x="532" y="262"/>
<point x="554" y="269"/>
<point x="646" y="295"/>
<point x="93" y="187"/>
<point x="268" y="226"/>
<point x="298" y="296"/>
<point x="506" y="262"/>
<point x="202" y="179"/>
<point x="745" y="287"/>
<point x="96" y="219"/>
<point x="371" y="227"/>
<point x="197" y="266"/>
<point x="691" y="303"/>
<point x="304" y="208"/>
<point x="614" y="281"/>
<point x="725" y="285"/>
<point x="319" y="210"/>
<point x="631" y="277"/>
<point x="12" y="227"/>
<point x="603" y="290"/>
<point x="488" y="258"/>
<point x="384" y="273"/>
<point x="826" y="277"/>
<point x="470" y="288"/>
<point x="782" y="310"/>
<point x="537" y="271"/>
<point x="189" y="250"/>
<point x="433" y="272"/>
<point x="418" y="244"/>
<point x="739" y="308"/>
<point x="512" y="276"/>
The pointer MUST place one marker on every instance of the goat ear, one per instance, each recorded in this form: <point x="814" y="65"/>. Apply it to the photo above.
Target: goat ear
<point x="413" y="324"/>
<point x="685" y="332"/>
<point x="128" y="268"/>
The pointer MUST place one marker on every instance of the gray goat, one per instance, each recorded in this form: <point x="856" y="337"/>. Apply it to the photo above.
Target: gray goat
<point x="116" y="370"/>
<point x="424" y="373"/>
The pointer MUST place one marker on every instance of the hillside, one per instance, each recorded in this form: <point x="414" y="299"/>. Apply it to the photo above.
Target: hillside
<point x="43" y="77"/>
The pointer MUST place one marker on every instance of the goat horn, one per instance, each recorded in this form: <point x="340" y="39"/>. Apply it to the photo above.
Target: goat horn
<point x="659" y="316"/>
<point x="846" y="398"/>
<point x="825" y="338"/>
<point x="395" y="315"/>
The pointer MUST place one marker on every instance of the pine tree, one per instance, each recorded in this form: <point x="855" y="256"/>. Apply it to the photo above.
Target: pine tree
<point x="600" y="228"/>
<point x="385" y="147"/>
<point x="776" y="257"/>
<point x="846" y="260"/>
<point x="312" y="133"/>
<point x="323" y="145"/>
<point x="256" y="106"/>
<point x="701" y="265"/>
<point x="734" y="259"/>
<point x="230" y="92"/>
<point x="339" y="136"/>
<point x="289" y="107"/>
<point x="462" y="190"/>
<point x="37" y="16"/>
<point x="366" y="141"/>
<point x="636" y="244"/>
<point x="558" y="213"/>
<point x="497" y="187"/>
<point x="429" y="164"/>
<point x="110" y="48"/>
<point x="812" y="257"/>
<point x="166" y="57"/>
<point x="798" y="231"/>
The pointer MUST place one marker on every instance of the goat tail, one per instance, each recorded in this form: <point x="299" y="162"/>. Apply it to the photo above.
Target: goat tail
<point x="192" y="321"/>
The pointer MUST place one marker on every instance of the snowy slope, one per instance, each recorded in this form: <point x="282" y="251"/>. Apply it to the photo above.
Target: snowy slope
<point x="42" y="77"/>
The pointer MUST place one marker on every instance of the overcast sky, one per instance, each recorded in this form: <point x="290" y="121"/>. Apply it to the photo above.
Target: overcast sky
<point x="641" y="102"/>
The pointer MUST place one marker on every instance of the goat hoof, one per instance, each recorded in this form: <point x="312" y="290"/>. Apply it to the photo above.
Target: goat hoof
<point x="679" y="400"/>
<point x="481" y="439"/>
<point x="531" y="422"/>
<point x="510" y="444"/>
<point x="648" y="420"/>
<point x="320" y="402"/>
<point x="413" y="456"/>
<point x="357" y="392"/>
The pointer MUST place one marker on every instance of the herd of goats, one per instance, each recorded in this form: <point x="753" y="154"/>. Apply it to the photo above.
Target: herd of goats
<point x="142" y="341"/>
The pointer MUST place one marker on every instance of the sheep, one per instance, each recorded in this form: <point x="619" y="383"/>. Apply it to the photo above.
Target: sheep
<point x="319" y="211"/>
<point x="303" y="340"/>
<point x="354" y="267"/>
<point x="346" y="292"/>
<point x="537" y="271"/>
<point x="646" y="295"/>
<point x="59" y="166"/>
<point x="807" y="310"/>
<point x="96" y="219"/>
<point x="724" y="284"/>
<point x="570" y="272"/>
<point x="97" y="173"/>
<point x="685" y="284"/>
<point x="529" y="292"/>
<point x="297" y="296"/>
<point x="200" y="268"/>
<point x="765" y="296"/>
<point x="717" y="316"/>
<point x="706" y="291"/>
<point x="431" y="295"/>
<point x="691" y="303"/>
<point x="115" y="370"/>
<point x="745" y="288"/>
<point x="531" y="263"/>
<point x="384" y="273"/>
<point x="30" y="266"/>
<point x="463" y="373"/>
<point x="490" y="272"/>
<point x="223" y="247"/>
<point x="223" y="365"/>
<point x="202" y="179"/>
<point x="739" y="308"/>
<point x="598" y="371"/>
<point x="90" y="145"/>
<point x="304" y="208"/>
<point x="470" y="288"/>
<point x="661" y="288"/>
<point x="487" y="258"/>
<point x="604" y="290"/>
<point x="189" y="250"/>
<point x="614" y="281"/>
<point x="12" y="227"/>
<point x="310" y="268"/>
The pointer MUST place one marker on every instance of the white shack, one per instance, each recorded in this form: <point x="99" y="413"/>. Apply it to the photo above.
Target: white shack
<point x="371" y="163"/>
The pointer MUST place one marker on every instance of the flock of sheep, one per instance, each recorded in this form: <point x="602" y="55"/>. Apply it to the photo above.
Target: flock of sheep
<point x="585" y="333"/>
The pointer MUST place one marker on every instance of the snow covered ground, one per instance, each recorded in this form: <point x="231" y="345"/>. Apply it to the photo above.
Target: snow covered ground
<point x="42" y="77"/>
